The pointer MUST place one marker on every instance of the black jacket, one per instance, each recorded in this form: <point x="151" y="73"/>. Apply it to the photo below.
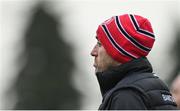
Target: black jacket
<point x="133" y="86"/>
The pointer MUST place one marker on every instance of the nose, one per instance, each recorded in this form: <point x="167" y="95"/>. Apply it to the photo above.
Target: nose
<point x="94" y="51"/>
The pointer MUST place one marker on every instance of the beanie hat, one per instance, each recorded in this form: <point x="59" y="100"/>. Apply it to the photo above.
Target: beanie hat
<point x="126" y="37"/>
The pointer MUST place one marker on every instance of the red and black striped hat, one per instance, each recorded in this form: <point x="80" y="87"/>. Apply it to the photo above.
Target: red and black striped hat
<point x="126" y="37"/>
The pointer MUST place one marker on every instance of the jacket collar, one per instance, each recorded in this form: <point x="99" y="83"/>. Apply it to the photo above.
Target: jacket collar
<point x="109" y="78"/>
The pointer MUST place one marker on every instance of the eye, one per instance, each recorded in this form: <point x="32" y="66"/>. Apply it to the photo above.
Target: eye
<point x="99" y="44"/>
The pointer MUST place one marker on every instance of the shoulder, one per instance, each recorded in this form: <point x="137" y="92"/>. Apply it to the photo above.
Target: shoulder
<point x="127" y="99"/>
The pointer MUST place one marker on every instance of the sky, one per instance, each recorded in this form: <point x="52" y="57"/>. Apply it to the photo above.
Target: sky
<point x="80" y="21"/>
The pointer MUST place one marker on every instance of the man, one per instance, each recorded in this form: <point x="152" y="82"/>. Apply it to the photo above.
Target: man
<point x="123" y="71"/>
<point x="175" y="89"/>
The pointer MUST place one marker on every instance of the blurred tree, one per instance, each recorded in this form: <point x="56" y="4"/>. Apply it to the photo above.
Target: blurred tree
<point x="45" y="80"/>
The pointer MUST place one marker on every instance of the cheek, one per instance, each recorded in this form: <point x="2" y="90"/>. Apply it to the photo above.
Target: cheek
<point x="100" y="57"/>
<point x="103" y="58"/>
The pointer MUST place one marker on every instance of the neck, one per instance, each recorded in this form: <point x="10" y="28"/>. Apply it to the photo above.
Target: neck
<point x="109" y="78"/>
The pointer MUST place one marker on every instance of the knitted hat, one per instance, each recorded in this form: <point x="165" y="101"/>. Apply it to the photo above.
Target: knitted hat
<point x="126" y="37"/>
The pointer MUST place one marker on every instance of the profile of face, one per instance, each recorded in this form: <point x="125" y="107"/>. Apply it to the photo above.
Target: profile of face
<point x="175" y="90"/>
<point x="102" y="61"/>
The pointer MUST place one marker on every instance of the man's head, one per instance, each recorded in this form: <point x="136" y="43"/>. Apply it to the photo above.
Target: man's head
<point x="175" y="90"/>
<point x="123" y="38"/>
<point x="102" y="60"/>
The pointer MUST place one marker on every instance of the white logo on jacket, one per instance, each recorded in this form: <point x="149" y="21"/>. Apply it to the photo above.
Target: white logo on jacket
<point x="168" y="98"/>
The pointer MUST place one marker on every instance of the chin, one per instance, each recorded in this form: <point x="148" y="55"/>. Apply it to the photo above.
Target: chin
<point x="98" y="70"/>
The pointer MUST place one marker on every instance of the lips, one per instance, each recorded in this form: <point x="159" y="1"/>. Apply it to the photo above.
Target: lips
<point x="95" y="65"/>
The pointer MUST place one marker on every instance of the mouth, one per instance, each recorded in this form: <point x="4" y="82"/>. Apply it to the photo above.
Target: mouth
<point x="95" y="65"/>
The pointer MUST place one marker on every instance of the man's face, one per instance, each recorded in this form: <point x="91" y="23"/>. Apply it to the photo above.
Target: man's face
<point x="176" y="90"/>
<point x="102" y="60"/>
